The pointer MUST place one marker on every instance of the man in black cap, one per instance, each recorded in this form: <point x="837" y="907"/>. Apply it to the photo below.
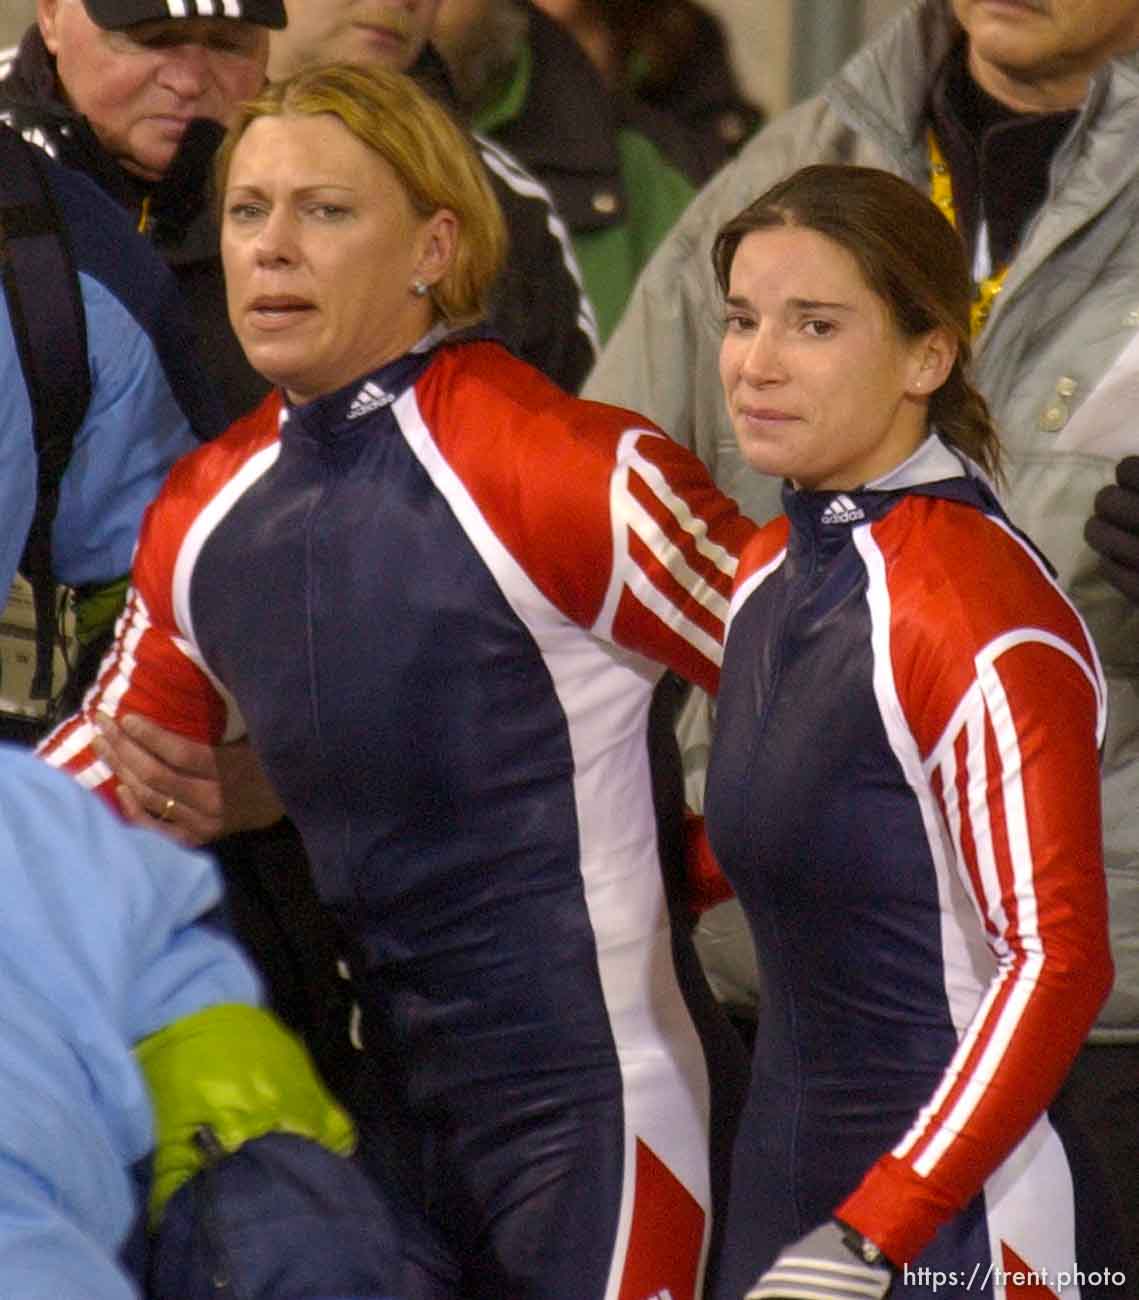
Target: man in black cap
<point x="111" y="88"/>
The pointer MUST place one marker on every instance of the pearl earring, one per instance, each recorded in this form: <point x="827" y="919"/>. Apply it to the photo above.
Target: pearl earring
<point x="419" y="288"/>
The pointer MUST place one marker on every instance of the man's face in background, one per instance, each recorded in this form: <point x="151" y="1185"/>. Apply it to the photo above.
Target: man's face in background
<point x="387" y="33"/>
<point x="141" y="87"/>
<point x="1039" y="54"/>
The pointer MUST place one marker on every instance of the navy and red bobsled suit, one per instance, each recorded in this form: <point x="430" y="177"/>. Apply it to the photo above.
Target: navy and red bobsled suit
<point x="434" y="599"/>
<point x="904" y="793"/>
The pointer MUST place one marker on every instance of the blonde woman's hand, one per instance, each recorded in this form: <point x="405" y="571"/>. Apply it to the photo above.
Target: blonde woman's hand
<point x="193" y="792"/>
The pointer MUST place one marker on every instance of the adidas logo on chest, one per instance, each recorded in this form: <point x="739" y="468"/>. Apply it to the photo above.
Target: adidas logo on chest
<point x="370" y="398"/>
<point x="842" y="510"/>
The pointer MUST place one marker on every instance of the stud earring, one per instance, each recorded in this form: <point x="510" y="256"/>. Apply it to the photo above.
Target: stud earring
<point x="419" y="288"/>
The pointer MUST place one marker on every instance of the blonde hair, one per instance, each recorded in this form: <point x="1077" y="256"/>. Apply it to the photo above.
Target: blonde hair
<point x="430" y="153"/>
<point x="909" y="255"/>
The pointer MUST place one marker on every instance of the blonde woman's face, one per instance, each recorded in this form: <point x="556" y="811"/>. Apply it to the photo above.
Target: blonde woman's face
<point x="321" y="249"/>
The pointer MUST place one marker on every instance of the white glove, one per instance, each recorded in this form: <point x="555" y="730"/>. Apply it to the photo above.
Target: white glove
<point x="823" y="1266"/>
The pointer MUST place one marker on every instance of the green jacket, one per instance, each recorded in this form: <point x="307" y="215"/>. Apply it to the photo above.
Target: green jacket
<point x="601" y="157"/>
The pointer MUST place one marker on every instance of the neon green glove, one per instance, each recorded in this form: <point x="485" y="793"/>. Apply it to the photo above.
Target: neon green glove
<point x="238" y="1071"/>
<point x="96" y="608"/>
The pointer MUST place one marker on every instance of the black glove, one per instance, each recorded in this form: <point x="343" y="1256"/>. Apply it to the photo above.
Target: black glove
<point x="1113" y="529"/>
<point x="824" y="1266"/>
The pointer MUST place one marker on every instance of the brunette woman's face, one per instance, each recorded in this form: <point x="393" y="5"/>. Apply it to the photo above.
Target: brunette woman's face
<point x="821" y="385"/>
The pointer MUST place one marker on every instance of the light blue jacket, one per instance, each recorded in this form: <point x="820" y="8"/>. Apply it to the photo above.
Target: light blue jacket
<point x="99" y="947"/>
<point x="149" y="397"/>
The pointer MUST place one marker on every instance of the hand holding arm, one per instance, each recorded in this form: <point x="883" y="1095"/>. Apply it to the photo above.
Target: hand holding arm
<point x="192" y="791"/>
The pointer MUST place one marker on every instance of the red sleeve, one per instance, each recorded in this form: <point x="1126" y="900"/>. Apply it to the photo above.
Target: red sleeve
<point x="1007" y="738"/>
<point x="153" y="667"/>
<point x="676" y="546"/>
<point x="704" y="877"/>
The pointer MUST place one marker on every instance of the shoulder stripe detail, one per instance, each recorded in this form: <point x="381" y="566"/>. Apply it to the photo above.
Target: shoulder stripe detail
<point x="73" y="743"/>
<point x="109" y="692"/>
<point x="68" y="743"/>
<point x="658" y="540"/>
<point x="1000" y="1011"/>
<point x="986" y="659"/>
<point x="1100" y="681"/>
<point x="37" y="136"/>
<point x="628" y="514"/>
<point x="510" y="170"/>
<point x="974" y="806"/>
<point x="136" y="622"/>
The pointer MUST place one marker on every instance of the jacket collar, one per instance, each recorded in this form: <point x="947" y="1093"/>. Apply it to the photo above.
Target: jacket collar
<point x="336" y="416"/>
<point x="933" y="469"/>
<point x="884" y="87"/>
<point x="31" y="101"/>
<point x="931" y="461"/>
<point x="999" y="159"/>
<point x="32" y="74"/>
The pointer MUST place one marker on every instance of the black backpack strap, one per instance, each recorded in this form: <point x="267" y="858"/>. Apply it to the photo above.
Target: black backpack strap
<point x="45" y="306"/>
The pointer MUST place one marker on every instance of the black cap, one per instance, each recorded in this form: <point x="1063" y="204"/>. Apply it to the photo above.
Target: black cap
<point x="125" y="13"/>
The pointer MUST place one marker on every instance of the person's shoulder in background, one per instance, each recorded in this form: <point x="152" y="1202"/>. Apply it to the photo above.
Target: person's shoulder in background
<point x="681" y="83"/>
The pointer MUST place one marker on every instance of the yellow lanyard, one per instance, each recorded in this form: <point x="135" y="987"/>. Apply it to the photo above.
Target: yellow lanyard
<point x="144" y="217"/>
<point x="941" y="192"/>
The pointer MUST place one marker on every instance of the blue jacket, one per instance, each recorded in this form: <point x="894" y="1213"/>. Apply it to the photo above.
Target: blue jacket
<point x="149" y="397"/>
<point x="281" y="1217"/>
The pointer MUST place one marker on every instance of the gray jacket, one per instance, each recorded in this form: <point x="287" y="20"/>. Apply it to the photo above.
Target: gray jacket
<point x="1068" y="310"/>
